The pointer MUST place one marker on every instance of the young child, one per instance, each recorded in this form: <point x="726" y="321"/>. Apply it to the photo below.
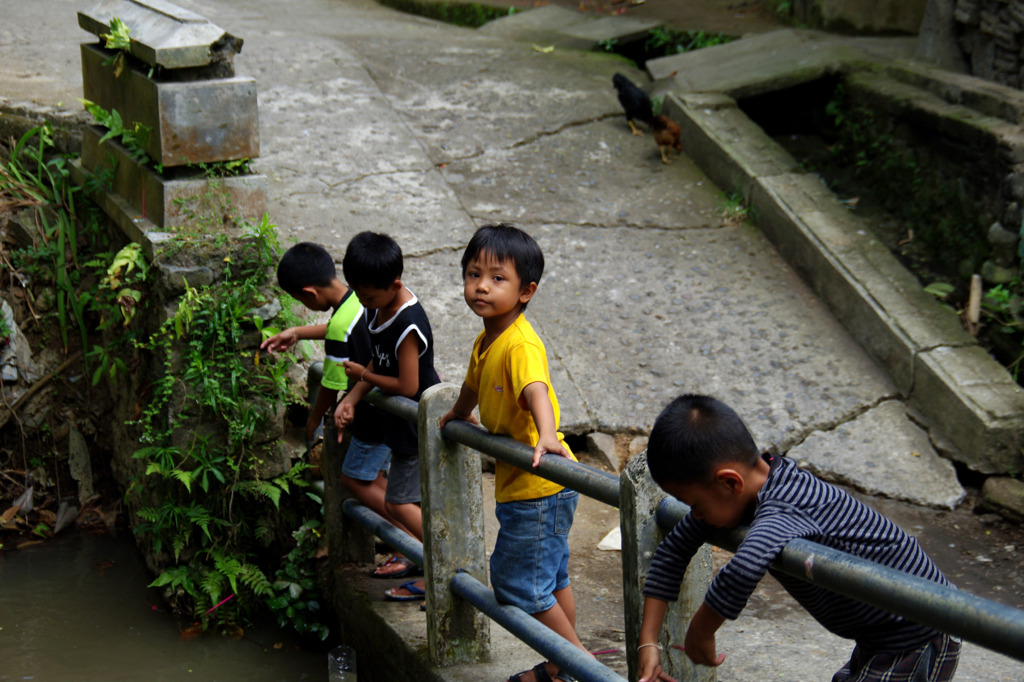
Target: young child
<point x="401" y="363"/>
<point x="508" y="377"/>
<point x="308" y="274"/>
<point x="701" y="453"/>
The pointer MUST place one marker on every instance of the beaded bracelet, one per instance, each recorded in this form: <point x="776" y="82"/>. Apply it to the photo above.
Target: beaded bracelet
<point x="654" y="644"/>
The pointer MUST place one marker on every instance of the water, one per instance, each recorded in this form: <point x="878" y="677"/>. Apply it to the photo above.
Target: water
<point x="77" y="608"/>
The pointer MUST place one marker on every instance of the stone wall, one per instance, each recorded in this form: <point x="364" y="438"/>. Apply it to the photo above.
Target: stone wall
<point x="990" y="33"/>
<point x="984" y="38"/>
<point x="861" y="16"/>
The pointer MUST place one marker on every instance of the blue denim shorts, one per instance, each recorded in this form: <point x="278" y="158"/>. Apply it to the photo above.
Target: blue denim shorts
<point x="530" y="561"/>
<point x="363" y="461"/>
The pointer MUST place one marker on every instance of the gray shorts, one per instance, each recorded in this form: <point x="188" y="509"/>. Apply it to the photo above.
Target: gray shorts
<point x="403" y="481"/>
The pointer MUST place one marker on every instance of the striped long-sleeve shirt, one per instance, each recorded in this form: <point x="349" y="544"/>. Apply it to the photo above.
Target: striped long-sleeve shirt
<point x="795" y="504"/>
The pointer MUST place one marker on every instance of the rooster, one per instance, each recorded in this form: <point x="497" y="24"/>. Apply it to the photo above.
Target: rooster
<point x="638" y="107"/>
<point x="635" y="103"/>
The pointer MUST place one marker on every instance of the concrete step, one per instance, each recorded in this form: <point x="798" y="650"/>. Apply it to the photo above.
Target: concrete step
<point x="565" y="28"/>
<point x="759" y="64"/>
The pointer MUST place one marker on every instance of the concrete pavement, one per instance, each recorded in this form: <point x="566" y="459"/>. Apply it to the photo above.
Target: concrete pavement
<point x="372" y="119"/>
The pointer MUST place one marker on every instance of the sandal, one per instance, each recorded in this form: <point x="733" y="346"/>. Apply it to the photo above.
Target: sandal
<point x="415" y="593"/>
<point x="540" y="674"/>
<point x="564" y="676"/>
<point x="410" y="569"/>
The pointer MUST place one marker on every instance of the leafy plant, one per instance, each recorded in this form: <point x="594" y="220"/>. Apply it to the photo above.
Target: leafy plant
<point x="732" y="209"/>
<point x="218" y="498"/>
<point x="297" y="593"/>
<point x="663" y="41"/>
<point x="118" y="39"/>
<point x="1003" y="307"/>
<point x="36" y="177"/>
<point x="134" y="138"/>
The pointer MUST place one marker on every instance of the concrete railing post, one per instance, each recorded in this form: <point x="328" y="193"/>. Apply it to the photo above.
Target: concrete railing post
<point x="346" y="540"/>
<point x="639" y="497"/>
<point x="453" y="534"/>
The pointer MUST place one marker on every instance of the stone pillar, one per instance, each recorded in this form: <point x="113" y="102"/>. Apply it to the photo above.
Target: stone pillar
<point x="453" y="534"/>
<point x="175" y="90"/>
<point x="346" y="540"/>
<point x="639" y="497"/>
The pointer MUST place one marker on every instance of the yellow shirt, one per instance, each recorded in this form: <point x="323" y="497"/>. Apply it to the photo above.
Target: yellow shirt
<point x="498" y="376"/>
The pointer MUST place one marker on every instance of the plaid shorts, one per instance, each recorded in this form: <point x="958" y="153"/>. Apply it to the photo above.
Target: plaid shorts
<point x="934" y="662"/>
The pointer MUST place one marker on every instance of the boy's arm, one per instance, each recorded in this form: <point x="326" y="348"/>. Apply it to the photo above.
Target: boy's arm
<point x="289" y="337"/>
<point x="407" y="382"/>
<point x="537" y="401"/>
<point x="324" y="401"/>
<point x="463" y="407"/>
<point x="700" y="636"/>
<point x="649" y="657"/>
<point x="346" y="410"/>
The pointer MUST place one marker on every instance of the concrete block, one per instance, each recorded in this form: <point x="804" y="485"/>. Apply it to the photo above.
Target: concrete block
<point x="453" y="529"/>
<point x="881" y="453"/>
<point x="621" y="29"/>
<point x="542" y="26"/>
<point x="1005" y="495"/>
<point x="975" y="403"/>
<point x="639" y="498"/>
<point x="743" y="68"/>
<point x="200" y="121"/>
<point x="547" y="18"/>
<point x="601" y="446"/>
<point x="828" y="275"/>
<point x="732" y="149"/>
<point x="163" y="34"/>
<point x="192" y="199"/>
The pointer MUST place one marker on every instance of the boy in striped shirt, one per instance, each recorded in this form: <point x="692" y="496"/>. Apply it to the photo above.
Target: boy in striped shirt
<point x="701" y="453"/>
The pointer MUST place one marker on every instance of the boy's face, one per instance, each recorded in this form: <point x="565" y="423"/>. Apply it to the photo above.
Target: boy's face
<point x="373" y="298"/>
<point x="717" y="503"/>
<point x="492" y="288"/>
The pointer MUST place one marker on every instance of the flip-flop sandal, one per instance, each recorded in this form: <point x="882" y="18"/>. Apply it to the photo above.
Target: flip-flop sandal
<point x="540" y="673"/>
<point x="409" y="570"/>
<point x="415" y="593"/>
<point x="564" y="676"/>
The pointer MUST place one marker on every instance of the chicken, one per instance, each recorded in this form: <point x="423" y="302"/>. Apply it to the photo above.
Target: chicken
<point x="667" y="134"/>
<point x="637" y="106"/>
<point x="635" y="103"/>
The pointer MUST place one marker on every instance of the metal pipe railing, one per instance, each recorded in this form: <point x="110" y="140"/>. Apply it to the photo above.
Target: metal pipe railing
<point x="382" y="528"/>
<point x="586" y="480"/>
<point x="990" y="624"/>
<point x="993" y="625"/>
<point x="527" y="628"/>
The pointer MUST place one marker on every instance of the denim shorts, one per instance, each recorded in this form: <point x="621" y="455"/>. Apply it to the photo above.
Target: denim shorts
<point x="403" y="481"/>
<point x="530" y="561"/>
<point x="363" y="461"/>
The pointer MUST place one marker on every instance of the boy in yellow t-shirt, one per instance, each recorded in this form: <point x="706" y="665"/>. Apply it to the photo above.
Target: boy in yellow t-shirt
<point x="508" y="378"/>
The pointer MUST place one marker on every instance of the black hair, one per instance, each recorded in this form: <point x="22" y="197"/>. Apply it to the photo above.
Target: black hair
<point x="693" y="435"/>
<point x="372" y="259"/>
<point x="506" y="242"/>
<point x="305" y="264"/>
